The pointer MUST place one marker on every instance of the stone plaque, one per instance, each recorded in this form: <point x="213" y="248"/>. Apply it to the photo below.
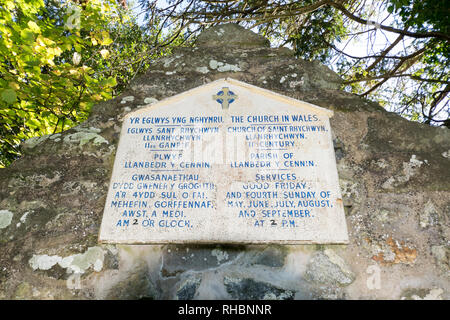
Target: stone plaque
<point x="226" y="162"/>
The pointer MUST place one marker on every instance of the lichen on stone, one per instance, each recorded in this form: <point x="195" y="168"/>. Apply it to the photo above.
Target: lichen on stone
<point x="34" y="141"/>
<point x="429" y="215"/>
<point x="220" y="255"/>
<point x="150" y="100"/>
<point x="127" y="99"/>
<point x="410" y="169"/>
<point x="223" y="66"/>
<point x="203" y="70"/>
<point x="77" y="263"/>
<point x="5" y="218"/>
<point x="392" y="251"/>
<point x="84" y="136"/>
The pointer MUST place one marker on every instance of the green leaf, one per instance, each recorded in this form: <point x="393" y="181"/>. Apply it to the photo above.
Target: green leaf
<point x="34" y="27"/>
<point x="104" y="53"/>
<point x="33" y="123"/>
<point x="111" y="81"/>
<point x="27" y="35"/>
<point x="9" y="95"/>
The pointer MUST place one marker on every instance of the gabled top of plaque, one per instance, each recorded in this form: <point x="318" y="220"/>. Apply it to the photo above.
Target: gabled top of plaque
<point x="229" y="81"/>
<point x="226" y="162"/>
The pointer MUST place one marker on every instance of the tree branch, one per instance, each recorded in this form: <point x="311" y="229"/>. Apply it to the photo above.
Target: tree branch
<point x="432" y="34"/>
<point x="385" y="52"/>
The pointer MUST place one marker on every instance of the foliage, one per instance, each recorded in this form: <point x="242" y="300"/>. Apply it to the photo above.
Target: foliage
<point x="44" y="89"/>
<point x="59" y="59"/>
<point x="410" y="74"/>
<point x="405" y="62"/>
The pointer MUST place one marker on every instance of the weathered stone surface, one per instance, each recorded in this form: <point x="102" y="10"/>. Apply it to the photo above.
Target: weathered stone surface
<point x="138" y="286"/>
<point x="231" y="35"/>
<point x="249" y="289"/>
<point x="422" y="294"/>
<point x="53" y="197"/>
<point x="429" y="216"/>
<point x="441" y="254"/>
<point x="272" y="256"/>
<point x="180" y="258"/>
<point x="328" y="268"/>
<point x="188" y="288"/>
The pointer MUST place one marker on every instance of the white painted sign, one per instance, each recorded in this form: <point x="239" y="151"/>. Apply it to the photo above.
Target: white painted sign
<point x="226" y="162"/>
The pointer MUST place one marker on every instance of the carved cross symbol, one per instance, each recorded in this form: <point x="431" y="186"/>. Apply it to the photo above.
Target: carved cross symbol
<point x="225" y="97"/>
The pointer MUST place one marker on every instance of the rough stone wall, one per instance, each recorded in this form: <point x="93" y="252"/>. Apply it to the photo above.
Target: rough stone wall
<point x="394" y="177"/>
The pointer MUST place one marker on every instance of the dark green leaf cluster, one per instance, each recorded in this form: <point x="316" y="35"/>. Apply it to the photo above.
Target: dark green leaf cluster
<point x="58" y="59"/>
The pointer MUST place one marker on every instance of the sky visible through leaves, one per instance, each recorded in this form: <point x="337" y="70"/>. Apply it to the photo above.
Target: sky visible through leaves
<point x="360" y="46"/>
